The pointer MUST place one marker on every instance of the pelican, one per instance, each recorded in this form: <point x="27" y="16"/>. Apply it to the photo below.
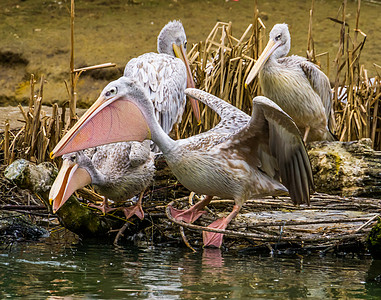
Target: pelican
<point x="241" y="157"/>
<point x="165" y="75"/>
<point x="296" y="85"/>
<point x="118" y="171"/>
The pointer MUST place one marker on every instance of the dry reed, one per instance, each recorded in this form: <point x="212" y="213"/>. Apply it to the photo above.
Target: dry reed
<point x="40" y="132"/>
<point x="221" y="63"/>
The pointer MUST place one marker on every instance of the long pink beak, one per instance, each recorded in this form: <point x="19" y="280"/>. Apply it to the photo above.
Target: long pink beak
<point x="108" y="120"/>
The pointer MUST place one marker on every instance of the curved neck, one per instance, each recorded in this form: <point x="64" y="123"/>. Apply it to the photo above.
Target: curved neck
<point x="160" y="138"/>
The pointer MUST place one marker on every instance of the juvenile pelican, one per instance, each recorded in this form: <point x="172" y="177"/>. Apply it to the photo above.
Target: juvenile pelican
<point x="165" y="75"/>
<point x="239" y="158"/>
<point x="118" y="171"/>
<point x="296" y="85"/>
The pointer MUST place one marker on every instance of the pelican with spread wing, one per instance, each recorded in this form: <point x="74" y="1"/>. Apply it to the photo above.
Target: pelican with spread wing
<point x="240" y="158"/>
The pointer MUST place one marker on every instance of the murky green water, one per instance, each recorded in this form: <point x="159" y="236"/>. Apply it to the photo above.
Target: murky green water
<point x="93" y="271"/>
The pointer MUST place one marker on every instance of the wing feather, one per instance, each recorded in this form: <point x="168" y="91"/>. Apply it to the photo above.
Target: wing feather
<point x="272" y="131"/>
<point x="321" y="85"/>
<point x="231" y="117"/>
<point x="268" y="141"/>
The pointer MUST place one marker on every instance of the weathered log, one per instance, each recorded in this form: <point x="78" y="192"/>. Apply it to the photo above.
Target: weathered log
<point x="346" y="168"/>
<point x="331" y="163"/>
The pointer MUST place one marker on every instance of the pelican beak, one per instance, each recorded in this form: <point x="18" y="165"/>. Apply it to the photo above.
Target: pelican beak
<point x="180" y="53"/>
<point x="69" y="179"/>
<point x="108" y="120"/>
<point x="269" y="49"/>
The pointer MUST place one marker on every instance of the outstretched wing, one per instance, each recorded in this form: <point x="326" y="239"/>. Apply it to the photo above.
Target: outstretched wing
<point x="272" y="143"/>
<point x="232" y="118"/>
<point x="164" y="78"/>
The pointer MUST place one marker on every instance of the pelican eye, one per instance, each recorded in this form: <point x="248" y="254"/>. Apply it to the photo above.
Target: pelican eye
<point x="111" y="92"/>
<point x="277" y="38"/>
<point x="185" y="44"/>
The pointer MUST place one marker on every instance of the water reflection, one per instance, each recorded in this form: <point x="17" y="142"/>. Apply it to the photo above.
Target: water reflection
<point x="94" y="271"/>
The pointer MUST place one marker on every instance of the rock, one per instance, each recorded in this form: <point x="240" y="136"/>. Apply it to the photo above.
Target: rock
<point x="374" y="241"/>
<point x="37" y="178"/>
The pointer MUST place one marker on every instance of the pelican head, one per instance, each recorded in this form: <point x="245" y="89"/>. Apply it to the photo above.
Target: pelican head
<point x="116" y="116"/>
<point x="173" y="41"/>
<point x="73" y="175"/>
<point x="278" y="46"/>
<point x="172" y="34"/>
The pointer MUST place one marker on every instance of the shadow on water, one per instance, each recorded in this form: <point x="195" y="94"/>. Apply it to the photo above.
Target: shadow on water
<point x="100" y="271"/>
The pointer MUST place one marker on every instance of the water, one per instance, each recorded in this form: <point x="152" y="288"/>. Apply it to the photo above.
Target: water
<point x="93" y="271"/>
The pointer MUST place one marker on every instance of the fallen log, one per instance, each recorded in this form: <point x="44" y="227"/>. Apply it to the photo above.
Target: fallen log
<point x="346" y="168"/>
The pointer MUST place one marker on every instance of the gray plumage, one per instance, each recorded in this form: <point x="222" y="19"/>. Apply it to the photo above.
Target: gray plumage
<point x="118" y="171"/>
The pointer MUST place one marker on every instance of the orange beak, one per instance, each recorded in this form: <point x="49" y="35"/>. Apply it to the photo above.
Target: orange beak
<point x="69" y="179"/>
<point x="180" y="53"/>
<point x="108" y="120"/>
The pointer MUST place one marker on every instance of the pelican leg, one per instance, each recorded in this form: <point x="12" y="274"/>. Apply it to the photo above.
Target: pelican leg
<point x="135" y="209"/>
<point x="104" y="207"/>
<point x="192" y="214"/>
<point x="214" y="238"/>
<point x="306" y="132"/>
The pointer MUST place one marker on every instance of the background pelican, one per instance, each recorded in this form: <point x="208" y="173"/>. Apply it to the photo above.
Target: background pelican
<point x="296" y="85"/>
<point x="239" y="158"/>
<point x="118" y="171"/>
<point x="165" y="75"/>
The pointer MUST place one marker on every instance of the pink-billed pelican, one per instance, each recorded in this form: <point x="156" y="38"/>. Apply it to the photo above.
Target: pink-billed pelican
<point x="118" y="171"/>
<point x="296" y="85"/>
<point x="165" y="75"/>
<point x="241" y="157"/>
